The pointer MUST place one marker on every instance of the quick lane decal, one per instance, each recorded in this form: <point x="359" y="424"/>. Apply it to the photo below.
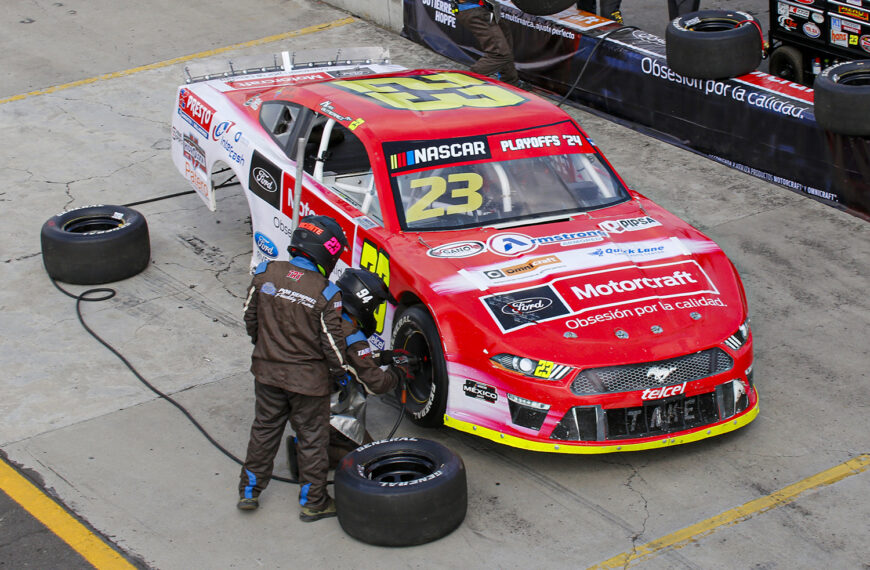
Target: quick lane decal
<point x="433" y="92"/>
<point x="409" y="155"/>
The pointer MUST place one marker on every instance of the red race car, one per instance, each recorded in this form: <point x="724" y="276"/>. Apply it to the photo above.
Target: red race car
<point x="553" y="308"/>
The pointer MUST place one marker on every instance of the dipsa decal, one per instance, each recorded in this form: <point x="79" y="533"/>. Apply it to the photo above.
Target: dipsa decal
<point x="628" y="225"/>
<point x="264" y="180"/>
<point x="457" y="249"/>
<point x="635" y="283"/>
<point x="424" y="154"/>
<point x="196" y="112"/>
<point x="517" y="309"/>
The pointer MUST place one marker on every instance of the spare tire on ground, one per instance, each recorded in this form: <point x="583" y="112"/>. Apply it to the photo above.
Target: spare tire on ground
<point x="400" y="492"/>
<point x="842" y="98"/>
<point x="713" y="44"/>
<point x="95" y="244"/>
<point x="543" y="7"/>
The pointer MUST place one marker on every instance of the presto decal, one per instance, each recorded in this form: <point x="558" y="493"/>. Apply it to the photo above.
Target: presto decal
<point x="528" y="268"/>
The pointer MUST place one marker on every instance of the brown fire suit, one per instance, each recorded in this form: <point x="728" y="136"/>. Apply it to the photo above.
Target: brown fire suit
<point x="494" y="36"/>
<point x="348" y="405"/>
<point x="293" y="316"/>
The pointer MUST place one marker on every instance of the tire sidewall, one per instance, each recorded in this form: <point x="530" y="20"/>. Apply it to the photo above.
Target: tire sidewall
<point x="416" y="319"/>
<point x="719" y="54"/>
<point x="841" y="108"/>
<point x="401" y="513"/>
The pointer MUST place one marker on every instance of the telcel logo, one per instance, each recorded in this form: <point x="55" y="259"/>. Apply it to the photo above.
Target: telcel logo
<point x="657" y="393"/>
<point x="265" y="245"/>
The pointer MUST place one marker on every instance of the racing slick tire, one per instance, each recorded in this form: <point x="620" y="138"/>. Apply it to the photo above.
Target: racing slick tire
<point x="543" y="7"/>
<point x="842" y="98"/>
<point x="713" y="44"/>
<point x="415" y="331"/>
<point x="95" y="244"/>
<point x="400" y="492"/>
<point x="788" y="63"/>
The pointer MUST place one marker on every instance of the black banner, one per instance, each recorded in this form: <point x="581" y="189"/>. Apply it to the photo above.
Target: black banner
<point x="757" y="123"/>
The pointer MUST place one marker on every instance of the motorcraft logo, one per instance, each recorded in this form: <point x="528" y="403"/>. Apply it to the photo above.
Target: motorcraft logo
<point x="635" y="283"/>
<point x="517" y="309"/>
<point x="457" y="249"/>
<point x="628" y="225"/>
<point x="195" y="111"/>
<point x="424" y="154"/>
<point x="480" y="391"/>
<point x="278" y="81"/>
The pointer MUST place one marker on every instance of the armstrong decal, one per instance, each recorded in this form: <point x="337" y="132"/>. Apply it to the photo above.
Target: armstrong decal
<point x="457" y="249"/>
<point x="424" y="154"/>
<point x="195" y="111"/>
<point x="515" y="244"/>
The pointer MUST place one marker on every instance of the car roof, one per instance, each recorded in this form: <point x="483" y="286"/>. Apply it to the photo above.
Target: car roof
<point x="434" y="107"/>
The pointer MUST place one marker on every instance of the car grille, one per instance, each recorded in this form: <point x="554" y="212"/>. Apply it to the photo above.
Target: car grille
<point x="612" y="379"/>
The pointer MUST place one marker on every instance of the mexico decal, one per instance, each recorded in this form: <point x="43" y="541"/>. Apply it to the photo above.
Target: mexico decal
<point x="434" y="92"/>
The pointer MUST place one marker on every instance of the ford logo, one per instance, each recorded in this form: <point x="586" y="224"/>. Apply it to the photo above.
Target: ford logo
<point x="457" y="249"/>
<point x="525" y="306"/>
<point x="265" y="180"/>
<point x="265" y="245"/>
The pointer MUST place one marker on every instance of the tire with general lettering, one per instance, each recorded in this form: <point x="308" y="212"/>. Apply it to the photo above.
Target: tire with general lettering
<point x="426" y="398"/>
<point x="842" y="98"/>
<point x="713" y="44"/>
<point x="95" y="244"/>
<point x="401" y="492"/>
<point x="543" y="7"/>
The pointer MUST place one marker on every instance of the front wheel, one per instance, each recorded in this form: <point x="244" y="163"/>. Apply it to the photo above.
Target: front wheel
<point x="788" y="63"/>
<point x="415" y="331"/>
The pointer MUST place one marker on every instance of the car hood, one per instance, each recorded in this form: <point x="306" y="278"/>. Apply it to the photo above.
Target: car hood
<point x="633" y="283"/>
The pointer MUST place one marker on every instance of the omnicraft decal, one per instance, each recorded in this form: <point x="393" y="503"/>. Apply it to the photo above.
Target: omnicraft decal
<point x="539" y="264"/>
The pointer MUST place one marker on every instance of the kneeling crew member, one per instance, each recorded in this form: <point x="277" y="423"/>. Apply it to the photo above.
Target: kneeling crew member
<point x="293" y="316"/>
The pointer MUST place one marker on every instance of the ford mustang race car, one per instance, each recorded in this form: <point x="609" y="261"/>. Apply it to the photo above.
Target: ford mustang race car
<point x="552" y="308"/>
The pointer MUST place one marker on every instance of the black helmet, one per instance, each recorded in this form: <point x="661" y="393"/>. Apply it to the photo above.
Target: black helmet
<point x="320" y="239"/>
<point x="362" y="292"/>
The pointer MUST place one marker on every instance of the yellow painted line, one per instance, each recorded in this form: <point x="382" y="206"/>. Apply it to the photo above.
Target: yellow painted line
<point x="202" y="54"/>
<point x="58" y="521"/>
<point x="697" y="531"/>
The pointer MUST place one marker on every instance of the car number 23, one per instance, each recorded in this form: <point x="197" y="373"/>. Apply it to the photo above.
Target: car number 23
<point x="468" y="189"/>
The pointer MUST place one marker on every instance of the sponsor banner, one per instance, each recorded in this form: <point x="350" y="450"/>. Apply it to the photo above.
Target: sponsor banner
<point x="196" y="112"/>
<point x="518" y="309"/>
<point x="634" y="284"/>
<point x="544" y="141"/>
<point x="480" y="391"/>
<point x="269" y="82"/>
<point x="265" y="180"/>
<point x="742" y="112"/>
<point x="416" y="155"/>
<point x="628" y="225"/>
<point x="458" y="249"/>
<point x="193" y="152"/>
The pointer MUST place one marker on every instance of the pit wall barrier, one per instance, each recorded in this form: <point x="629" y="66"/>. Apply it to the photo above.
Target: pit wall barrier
<point x="759" y="124"/>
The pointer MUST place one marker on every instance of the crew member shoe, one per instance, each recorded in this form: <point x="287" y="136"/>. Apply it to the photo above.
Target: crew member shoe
<point x="248" y="503"/>
<point x="310" y="515"/>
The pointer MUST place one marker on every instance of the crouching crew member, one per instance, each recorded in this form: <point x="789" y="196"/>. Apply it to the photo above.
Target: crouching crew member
<point x="293" y="316"/>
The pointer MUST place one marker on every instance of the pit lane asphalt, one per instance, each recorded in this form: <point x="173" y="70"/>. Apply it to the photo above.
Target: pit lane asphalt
<point x="133" y="467"/>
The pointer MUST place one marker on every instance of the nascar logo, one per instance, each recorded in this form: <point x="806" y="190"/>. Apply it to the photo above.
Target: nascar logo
<point x="437" y="152"/>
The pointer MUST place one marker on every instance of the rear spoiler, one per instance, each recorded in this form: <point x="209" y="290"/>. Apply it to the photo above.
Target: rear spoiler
<point x="285" y="61"/>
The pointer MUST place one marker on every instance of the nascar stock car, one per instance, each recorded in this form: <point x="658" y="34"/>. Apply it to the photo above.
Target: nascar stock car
<point x="552" y="308"/>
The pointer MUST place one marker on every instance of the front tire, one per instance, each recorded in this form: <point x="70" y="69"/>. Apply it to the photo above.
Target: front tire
<point x="415" y="331"/>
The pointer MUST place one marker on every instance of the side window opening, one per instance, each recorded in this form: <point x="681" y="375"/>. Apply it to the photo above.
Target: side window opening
<point x="278" y="118"/>
<point x="338" y="159"/>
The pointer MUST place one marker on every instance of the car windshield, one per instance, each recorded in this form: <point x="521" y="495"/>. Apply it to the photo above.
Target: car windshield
<point x="488" y="193"/>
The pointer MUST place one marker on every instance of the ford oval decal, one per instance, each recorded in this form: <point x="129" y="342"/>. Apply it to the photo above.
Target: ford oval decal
<point x="265" y="180"/>
<point x="265" y="245"/>
<point x="525" y="306"/>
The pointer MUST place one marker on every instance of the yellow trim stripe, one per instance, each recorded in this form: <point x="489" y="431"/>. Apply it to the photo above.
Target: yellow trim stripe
<point x="697" y="531"/>
<point x="168" y="62"/>
<point x="562" y="447"/>
<point x="58" y="521"/>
